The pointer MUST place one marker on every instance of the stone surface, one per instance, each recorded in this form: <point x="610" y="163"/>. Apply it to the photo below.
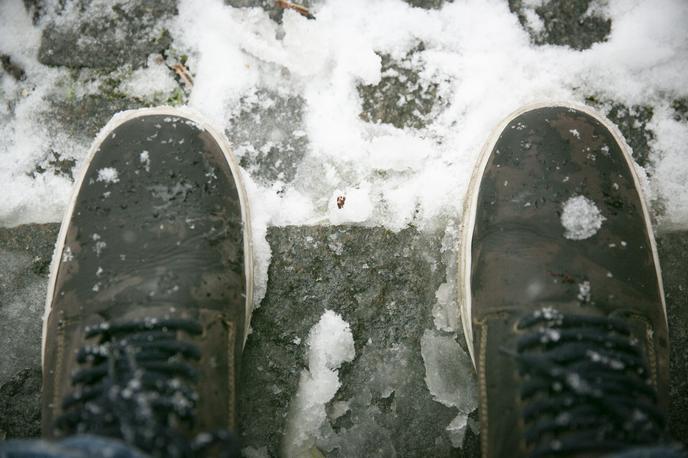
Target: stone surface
<point x="573" y="23"/>
<point x="632" y="122"/>
<point x="383" y="284"/>
<point x="401" y="98"/>
<point x="266" y="132"/>
<point x="25" y="254"/>
<point x="20" y="404"/>
<point x="107" y="34"/>
<point x="83" y="117"/>
<point x="673" y="251"/>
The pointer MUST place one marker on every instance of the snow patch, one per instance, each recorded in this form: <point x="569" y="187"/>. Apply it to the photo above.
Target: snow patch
<point x="154" y="79"/>
<point x="330" y="344"/>
<point x="584" y="291"/>
<point x="144" y="157"/>
<point x="581" y="218"/>
<point x="108" y="175"/>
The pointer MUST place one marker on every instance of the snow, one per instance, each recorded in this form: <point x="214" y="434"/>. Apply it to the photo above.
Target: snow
<point x="350" y="206"/>
<point x="330" y="344"/>
<point x="581" y="218"/>
<point x="475" y="51"/>
<point x="144" y="158"/>
<point x="24" y="140"/>
<point x="152" y="80"/>
<point x="487" y="70"/>
<point x="584" y="291"/>
<point x="108" y="175"/>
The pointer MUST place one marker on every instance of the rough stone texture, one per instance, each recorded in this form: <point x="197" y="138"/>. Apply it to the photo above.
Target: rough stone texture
<point x="25" y="254"/>
<point x="401" y="98"/>
<point x="83" y="117"/>
<point x="384" y="285"/>
<point x="673" y="251"/>
<point x="632" y="122"/>
<point x="79" y="119"/>
<point x="266" y="131"/>
<point x="20" y="404"/>
<point x="107" y="35"/>
<point x="566" y="23"/>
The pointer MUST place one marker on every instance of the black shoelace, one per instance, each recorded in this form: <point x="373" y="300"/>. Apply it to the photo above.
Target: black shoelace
<point x="136" y="384"/>
<point x="586" y="387"/>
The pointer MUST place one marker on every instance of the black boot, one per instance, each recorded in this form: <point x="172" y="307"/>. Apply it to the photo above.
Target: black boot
<point x="563" y="306"/>
<point x="151" y="289"/>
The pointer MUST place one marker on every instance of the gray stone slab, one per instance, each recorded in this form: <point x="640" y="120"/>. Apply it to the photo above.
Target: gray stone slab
<point x="673" y="251"/>
<point x="569" y="23"/>
<point x="383" y="284"/>
<point x="267" y="131"/>
<point x="107" y="35"/>
<point x="401" y="98"/>
<point x="25" y="254"/>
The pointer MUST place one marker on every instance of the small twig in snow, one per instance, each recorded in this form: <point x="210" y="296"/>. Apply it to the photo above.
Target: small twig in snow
<point x="302" y="10"/>
<point x="183" y="74"/>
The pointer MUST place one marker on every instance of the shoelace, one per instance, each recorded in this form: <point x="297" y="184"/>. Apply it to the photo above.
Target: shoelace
<point x="586" y="387"/>
<point x="136" y="384"/>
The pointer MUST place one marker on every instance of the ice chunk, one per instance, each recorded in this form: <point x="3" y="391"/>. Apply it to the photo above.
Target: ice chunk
<point x="449" y="375"/>
<point x="457" y="429"/>
<point x="330" y="344"/>
<point x="581" y="218"/>
<point x="446" y="311"/>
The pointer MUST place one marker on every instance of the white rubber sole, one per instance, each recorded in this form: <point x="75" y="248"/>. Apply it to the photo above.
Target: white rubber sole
<point x="471" y="205"/>
<point x="117" y="120"/>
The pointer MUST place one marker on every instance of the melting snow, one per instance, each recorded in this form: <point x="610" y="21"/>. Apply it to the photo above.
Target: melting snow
<point x="330" y="344"/>
<point x="581" y="218"/>
<point x="584" y="291"/>
<point x="144" y="157"/>
<point x="108" y="175"/>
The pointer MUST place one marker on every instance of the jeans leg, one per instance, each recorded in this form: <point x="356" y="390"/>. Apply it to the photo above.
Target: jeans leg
<point x="666" y="451"/>
<point x="79" y="446"/>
